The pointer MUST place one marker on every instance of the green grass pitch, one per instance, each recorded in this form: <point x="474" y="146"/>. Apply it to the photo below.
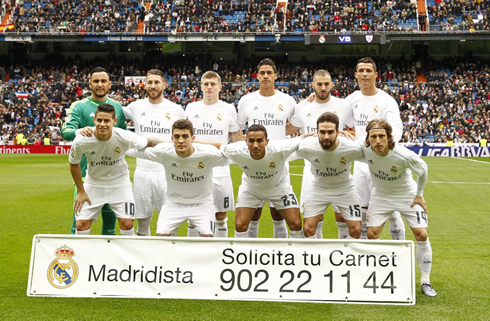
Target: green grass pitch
<point x="36" y="195"/>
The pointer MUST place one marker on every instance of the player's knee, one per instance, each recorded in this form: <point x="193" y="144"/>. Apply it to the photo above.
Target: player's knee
<point x="241" y="225"/>
<point x="82" y="225"/>
<point x="355" y="231"/>
<point x="420" y="235"/>
<point x="373" y="234"/>
<point x="126" y="224"/>
<point x="309" y="229"/>
<point x="295" y="225"/>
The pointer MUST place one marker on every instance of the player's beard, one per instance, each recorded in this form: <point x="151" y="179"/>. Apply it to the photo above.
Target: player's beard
<point x="324" y="94"/>
<point x="155" y="94"/>
<point x="330" y="144"/>
<point x="98" y="95"/>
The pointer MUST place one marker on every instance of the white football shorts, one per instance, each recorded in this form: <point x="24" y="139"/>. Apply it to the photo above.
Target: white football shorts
<point x="150" y="192"/>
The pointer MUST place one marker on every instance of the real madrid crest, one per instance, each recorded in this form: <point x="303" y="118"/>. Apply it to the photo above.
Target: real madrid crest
<point x="168" y="116"/>
<point x="200" y="165"/>
<point x="394" y="169"/>
<point x="219" y="117"/>
<point x="376" y="109"/>
<point x="343" y="161"/>
<point x="117" y="150"/>
<point x="63" y="271"/>
<point x="280" y="107"/>
<point x="272" y="165"/>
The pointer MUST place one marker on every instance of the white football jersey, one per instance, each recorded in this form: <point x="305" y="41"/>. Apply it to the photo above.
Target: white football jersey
<point x="392" y="174"/>
<point x="367" y="108"/>
<point x="306" y="114"/>
<point x="153" y="121"/>
<point x="331" y="169"/>
<point x="189" y="179"/>
<point x="213" y="123"/>
<point x="272" y="112"/>
<point x="267" y="172"/>
<point x="106" y="163"/>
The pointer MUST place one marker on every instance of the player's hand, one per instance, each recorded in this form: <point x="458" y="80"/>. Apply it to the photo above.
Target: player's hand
<point x="310" y="98"/>
<point x="347" y="134"/>
<point x="79" y="200"/>
<point x="86" y="131"/>
<point x="419" y="200"/>
<point x="308" y="135"/>
<point x="152" y="142"/>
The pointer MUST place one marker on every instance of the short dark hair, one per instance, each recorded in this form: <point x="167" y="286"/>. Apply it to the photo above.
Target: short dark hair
<point x="267" y="62"/>
<point x="367" y="60"/>
<point x="98" y="69"/>
<point x="183" y="124"/>
<point x="379" y="123"/>
<point x="106" y="108"/>
<point x="321" y="73"/>
<point x="328" y="117"/>
<point x="257" y="128"/>
<point x="157" y="72"/>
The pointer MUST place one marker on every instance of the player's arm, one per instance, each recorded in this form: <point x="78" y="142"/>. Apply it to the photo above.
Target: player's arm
<point x="393" y="118"/>
<point x="236" y="136"/>
<point x="155" y="154"/>
<point x="69" y="128"/>
<point x="82" y="197"/>
<point x="121" y="118"/>
<point x="419" y="167"/>
<point x="152" y="142"/>
<point x="303" y="136"/>
<point x="291" y="129"/>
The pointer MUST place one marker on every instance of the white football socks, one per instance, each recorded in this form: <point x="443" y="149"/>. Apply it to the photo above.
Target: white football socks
<point x="280" y="229"/>
<point x="221" y="229"/>
<point x="423" y="253"/>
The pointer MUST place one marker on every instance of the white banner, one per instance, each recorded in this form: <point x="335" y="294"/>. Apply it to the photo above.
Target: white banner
<point x="134" y="80"/>
<point x="341" y="271"/>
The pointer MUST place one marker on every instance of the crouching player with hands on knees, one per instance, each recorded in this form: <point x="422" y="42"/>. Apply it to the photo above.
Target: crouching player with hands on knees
<point x="331" y="157"/>
<point x="394" y="189"/>
<point x="189" y="172"/>
<point x="107" y="180"/>
<point x="265" y="177"/>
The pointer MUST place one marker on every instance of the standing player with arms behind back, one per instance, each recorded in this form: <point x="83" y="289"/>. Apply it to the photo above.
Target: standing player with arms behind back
<point x="305" y="119"/>
<point x="272" y="109"/>
<point x="152" y="117"/>
<point x="81" y="115"/>
<point x="367" y="104"/>
<point x="215" y="121"/>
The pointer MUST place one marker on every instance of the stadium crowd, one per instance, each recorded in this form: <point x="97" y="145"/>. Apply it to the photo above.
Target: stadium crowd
<point x="77" y="16"/>
<point x="89" y="16"/>
<point x="453" y="105"/>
